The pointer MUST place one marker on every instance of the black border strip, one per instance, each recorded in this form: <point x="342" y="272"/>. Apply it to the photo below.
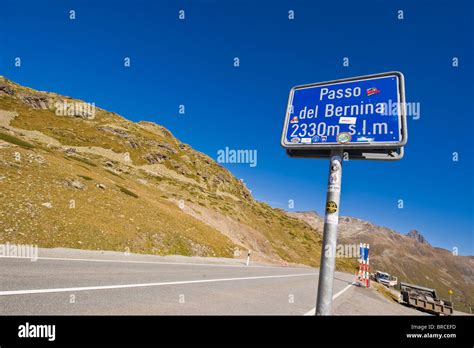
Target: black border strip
<point x="192" y="330"/>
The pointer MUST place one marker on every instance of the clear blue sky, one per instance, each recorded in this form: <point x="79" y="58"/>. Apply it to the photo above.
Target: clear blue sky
<point x="190" y="62"/>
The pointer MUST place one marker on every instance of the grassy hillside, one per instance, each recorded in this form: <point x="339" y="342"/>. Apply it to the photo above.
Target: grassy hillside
<point x="110" y="184"/>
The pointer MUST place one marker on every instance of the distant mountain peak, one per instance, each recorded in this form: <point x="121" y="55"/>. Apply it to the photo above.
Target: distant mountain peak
<point x="418" y="237"/>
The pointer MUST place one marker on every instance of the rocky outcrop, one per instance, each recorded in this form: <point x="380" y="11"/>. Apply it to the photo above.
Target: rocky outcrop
<point x="114" y="131"/>
<point x="155" y="157"/>
<point x="418" y="237"/>
<point x="36" y="102"/>
<point x="180" y="168"/>
<point x="5" y="89"/>
<point x="167" y="147"/>
<point x="75" y="184"/>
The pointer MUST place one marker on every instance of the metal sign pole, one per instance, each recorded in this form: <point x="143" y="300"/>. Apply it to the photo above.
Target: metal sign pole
<point x="331" y="220"/>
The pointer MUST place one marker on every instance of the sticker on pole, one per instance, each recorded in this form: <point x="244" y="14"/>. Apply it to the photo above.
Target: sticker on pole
<point x="331" y="207"/>
<point x="360" y="112"/>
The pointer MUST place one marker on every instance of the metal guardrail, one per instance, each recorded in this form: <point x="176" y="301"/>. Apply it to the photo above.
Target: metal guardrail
<point x="425" y="299"/>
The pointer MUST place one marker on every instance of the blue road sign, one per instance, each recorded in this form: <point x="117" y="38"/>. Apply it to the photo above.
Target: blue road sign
<point x="360" y="112"/>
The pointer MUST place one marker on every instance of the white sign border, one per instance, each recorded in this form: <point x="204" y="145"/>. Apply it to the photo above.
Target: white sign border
<point x="378" y="145"/>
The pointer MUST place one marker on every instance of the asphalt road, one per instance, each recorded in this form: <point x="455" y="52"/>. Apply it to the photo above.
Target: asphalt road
<point x="79" y="283"/>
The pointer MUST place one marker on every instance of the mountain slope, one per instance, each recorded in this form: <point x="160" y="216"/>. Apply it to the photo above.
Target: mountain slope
<point x="409" y="257"/>
<point x="79" y="177"/>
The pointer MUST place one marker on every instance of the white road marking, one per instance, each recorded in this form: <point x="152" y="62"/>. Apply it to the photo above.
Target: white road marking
<point x="313" y="311"/>
<point x="125" y="286"/>
<point x="342" y="291"/>
<point x="149" y="262"/>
